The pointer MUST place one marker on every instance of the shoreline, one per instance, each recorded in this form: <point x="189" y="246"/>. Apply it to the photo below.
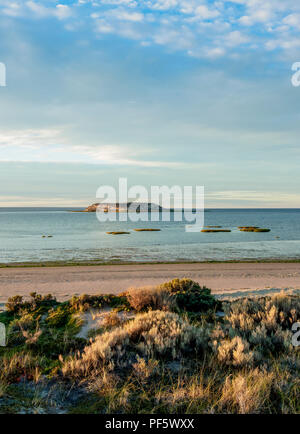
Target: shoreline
<point x="226" y="278"/>
<point x="91" y="263"/>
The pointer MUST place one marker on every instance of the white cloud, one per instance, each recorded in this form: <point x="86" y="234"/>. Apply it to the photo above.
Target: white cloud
<point x="205" y="13"/>
<point x="283" y="43"/>
<point x="103" y="27"/>
<point x="38" y="9"/>
<point x="12" y="9"/>
<point x="29" y="138"/>
<point x="162" y="4"/>
<point x="119" y="155"/>
<point x="60" y="11"/>
<point x="214" y="52"/>
<point x="292" y="20"/>
<point x="176" y="39"/>
<point x="270" y="198"/>
<point x="129" y="3"/>
<point x="263" y="15"/>
<point x="199" y="27"/>
<point x="235" y="38"/>
<point x="51" y="146"/>
<point x="123" y="15"/>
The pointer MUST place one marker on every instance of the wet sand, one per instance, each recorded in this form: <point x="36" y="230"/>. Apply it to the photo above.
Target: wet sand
<point x="223" y="278"/>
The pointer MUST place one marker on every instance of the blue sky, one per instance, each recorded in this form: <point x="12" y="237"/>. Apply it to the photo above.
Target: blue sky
<point x="163" y="92"/>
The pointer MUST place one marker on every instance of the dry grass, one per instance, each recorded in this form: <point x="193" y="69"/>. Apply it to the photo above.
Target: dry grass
<point x="152" y="297"/>
<point x="111" y="319"/>
<point x="160" y="362"/>
<point x="144" y="369"/>
<point x="163" y="361"/>
<point x="3" y="388"/>
<point x="149" y="335"/>
<point x="235" y="352"/>
<point x="247" y="393"/>
<point x="19" y="365"/>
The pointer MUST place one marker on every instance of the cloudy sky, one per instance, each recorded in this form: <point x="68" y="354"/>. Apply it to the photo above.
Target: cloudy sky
<point x="162" y="92"/>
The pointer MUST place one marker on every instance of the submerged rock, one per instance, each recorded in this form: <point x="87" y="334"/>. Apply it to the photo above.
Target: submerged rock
<point x="118" y="233"/>
<point x="216" y="230"/>
<point x="147" y="230"/>
<point x="253" y="229"/>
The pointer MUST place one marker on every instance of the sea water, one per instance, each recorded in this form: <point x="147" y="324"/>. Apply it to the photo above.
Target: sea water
<point x="81" y="237"/>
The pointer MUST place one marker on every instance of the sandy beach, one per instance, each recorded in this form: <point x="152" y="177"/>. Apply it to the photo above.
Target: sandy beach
<point x="230" y="279"/>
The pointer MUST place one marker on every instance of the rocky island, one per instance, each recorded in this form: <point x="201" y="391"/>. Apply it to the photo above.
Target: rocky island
<point x="124" y="207"/>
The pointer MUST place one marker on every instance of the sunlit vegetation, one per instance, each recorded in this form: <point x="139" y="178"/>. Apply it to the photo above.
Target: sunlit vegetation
<point x="172" y="348"/>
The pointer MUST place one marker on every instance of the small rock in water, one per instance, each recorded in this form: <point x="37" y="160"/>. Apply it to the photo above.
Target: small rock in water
<point x="118" y="233"/>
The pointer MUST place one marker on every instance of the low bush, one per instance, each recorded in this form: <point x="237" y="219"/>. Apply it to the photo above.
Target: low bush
<point x="155" y="361"/>
<point x="247" y="393"/>
<point x="85" y="302"/>
<point x="59" y="317"/>
<point x="264" y="322"/>
<point x="234" y="352"/>
<point x="190" y="296"/>
<point x="111" y="319"/>
<point x="17" y="305"/>
<point x="149" y="297"/>
<point x="153" y="334"/>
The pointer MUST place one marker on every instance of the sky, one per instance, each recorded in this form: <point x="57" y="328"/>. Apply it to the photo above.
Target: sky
<point x="163" y="92"/>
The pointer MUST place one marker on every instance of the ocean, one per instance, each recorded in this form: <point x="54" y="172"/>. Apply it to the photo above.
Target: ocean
<point x="81" y="237"/>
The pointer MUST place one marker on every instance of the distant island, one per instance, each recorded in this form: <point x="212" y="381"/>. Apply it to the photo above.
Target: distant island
<point x="138" y="207"/>
<point x="124" y="207"/>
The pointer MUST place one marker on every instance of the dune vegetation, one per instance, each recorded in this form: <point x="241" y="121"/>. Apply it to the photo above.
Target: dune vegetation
<point x="173" y="348"/>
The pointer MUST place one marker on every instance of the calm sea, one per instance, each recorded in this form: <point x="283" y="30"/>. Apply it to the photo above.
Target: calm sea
<point x="80" y="236"/>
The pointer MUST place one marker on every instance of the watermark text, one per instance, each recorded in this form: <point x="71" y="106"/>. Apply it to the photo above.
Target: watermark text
<point x="296" y="76"/>
<point x="2" y="74"/>
<point x="158" y="203"/>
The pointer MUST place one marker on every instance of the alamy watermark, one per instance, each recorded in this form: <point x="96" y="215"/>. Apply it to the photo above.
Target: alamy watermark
<point x="159" y="203"/>
<point x="2" y="74"/>
<point x="296" y="76"/>
<point x="2" y="335"/>
<point x="296" y="335"/>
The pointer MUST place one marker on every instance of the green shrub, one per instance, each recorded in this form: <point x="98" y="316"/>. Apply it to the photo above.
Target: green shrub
<point x="190" y="296"/>
<point x="55" y="342"/>
<point x="14" y="303"/>
<point x="17" y="327"/>
<point x="39" y="302"/>
<point x="85" y="302"/>
<point x="59" y="317"/>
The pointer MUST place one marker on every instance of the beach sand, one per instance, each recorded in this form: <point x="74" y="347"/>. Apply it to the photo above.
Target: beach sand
<point x="230" y="279"/>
